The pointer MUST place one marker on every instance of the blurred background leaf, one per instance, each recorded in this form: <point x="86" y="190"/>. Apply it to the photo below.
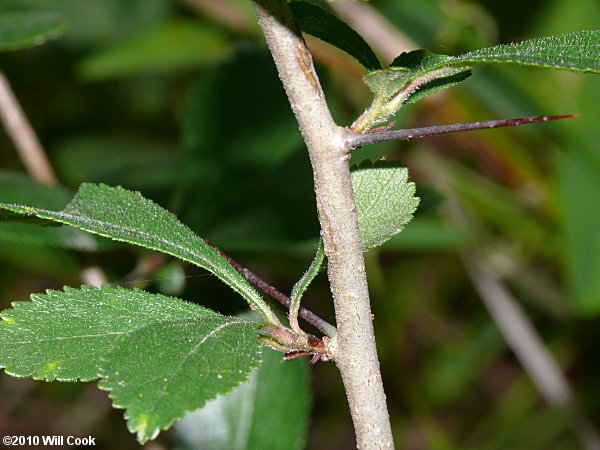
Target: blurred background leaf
<point x="170" y="46"/>
<point x="269" y="412"/>
<point x="28" y="29"/>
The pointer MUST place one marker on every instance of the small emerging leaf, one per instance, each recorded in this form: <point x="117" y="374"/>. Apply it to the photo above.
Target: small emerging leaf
<point x="410" y="67"/>
<point x="385" y="200"/>
<point x="327" y="27"/>
<point x="127" y="216"/>
<point x="387" y="82"/>
<point x="450" y="79"/>
<point x="27" y="29"/>
<point x="303" y="283"/>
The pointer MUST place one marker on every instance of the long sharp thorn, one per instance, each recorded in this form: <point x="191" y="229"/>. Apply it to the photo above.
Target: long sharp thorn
<point x="358" y="140"/>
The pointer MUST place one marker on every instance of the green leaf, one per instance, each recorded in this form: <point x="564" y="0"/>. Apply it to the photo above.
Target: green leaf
<point x="246" y="418"/>
<point x="438" y="84"/>
<point x="303" y="283"/>
<point x="173" y="45"/>
<point x="159" y="373"/>
<point x="387" y="82"/>
<point x="420" y="73"/>
<point x="127" y="216"/>
<point x="410" y="67"/>
<point x="414" y="74"/>
<point x="310" y="274"/>
<point x="327" y="27"/>
<point x="28" y="29"/>
<point x="575" y="51"/>
<point x="62" y="335"/>
<point x="385" y="200"/>
<point x="159" y="356"/>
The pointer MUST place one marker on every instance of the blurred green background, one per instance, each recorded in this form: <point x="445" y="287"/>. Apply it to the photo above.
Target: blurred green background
<point x="180" y="100"/>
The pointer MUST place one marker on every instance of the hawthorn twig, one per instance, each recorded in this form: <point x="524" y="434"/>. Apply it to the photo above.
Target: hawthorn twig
<point x="360" y="140"/>
<point x="354" y="343"/>
<point x="320" y="324"/>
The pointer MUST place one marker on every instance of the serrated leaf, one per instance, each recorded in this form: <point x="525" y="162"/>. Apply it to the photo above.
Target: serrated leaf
<point x="61" y="335"/>
<point x="27" y="29"/>
<point x="159" y="356"/>
<point x="385" y="200"/>
<point x="127" y="216"/>
<point x="419" y="73"/>
<point x="576" y="51"/>
<point x="327" y="27"/>
<point x="245" y="419"/>
<point x="159" y="373"/>
<point x="172" y="45"/>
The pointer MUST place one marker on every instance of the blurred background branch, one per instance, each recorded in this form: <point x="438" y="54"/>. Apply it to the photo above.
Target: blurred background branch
<point x="23" y="136"/>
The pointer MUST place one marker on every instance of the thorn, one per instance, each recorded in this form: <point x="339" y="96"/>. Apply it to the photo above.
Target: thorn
<point x="358" y="140"/>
